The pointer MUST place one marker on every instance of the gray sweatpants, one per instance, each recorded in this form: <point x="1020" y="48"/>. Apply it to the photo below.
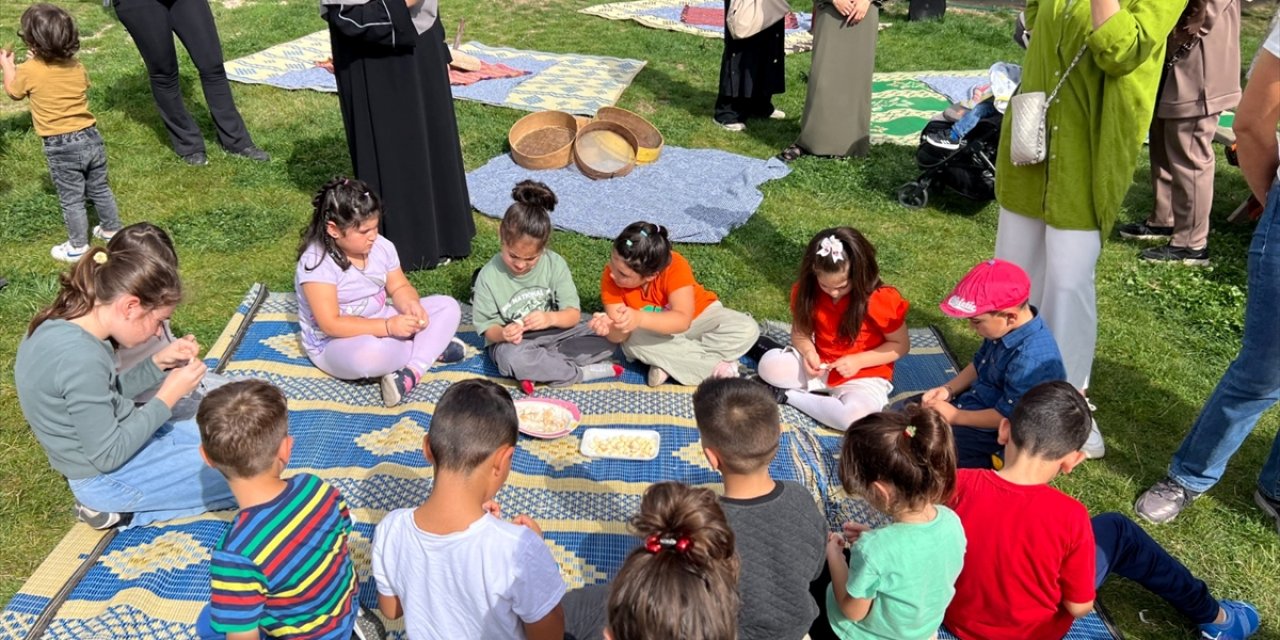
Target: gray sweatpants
<point x="552" y="356"/>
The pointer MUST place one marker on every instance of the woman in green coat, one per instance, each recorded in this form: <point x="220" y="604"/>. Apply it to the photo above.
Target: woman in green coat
<point x="1054" y="214"/>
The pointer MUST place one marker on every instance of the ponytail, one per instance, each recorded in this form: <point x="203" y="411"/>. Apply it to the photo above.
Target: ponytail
<point x="347" y="203"/>
<point x="644" y="247"/>
<point x="529" y="215"/>
<point x="911" y="451"/>
<point x="102" y="276"/>
<point x="682" y="582"/>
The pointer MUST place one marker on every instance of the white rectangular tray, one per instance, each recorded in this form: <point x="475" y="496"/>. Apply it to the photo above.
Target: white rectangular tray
<point x="646" y="445"/>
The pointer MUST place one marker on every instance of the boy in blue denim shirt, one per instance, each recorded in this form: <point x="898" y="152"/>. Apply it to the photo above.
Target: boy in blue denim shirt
<point x="1018" y="352"/>
<point x="57" y="86"/>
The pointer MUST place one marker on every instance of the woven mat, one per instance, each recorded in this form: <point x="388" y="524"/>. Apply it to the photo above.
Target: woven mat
<point x="150" y="582"/>
<point x="665" y="14"/>
<point x="562" y="81"/>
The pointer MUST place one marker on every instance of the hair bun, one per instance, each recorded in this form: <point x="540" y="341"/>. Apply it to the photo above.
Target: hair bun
<point x="688" y="514"/>
<point x="533" y="193"/>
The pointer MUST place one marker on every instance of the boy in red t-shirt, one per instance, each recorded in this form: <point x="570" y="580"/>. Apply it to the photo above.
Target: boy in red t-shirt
<point x="1035" y="558"/>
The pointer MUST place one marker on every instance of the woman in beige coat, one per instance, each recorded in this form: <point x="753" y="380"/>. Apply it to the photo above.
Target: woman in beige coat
<point x="1201" y="80"/>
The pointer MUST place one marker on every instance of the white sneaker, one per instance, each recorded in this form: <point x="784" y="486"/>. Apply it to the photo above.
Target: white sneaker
<point x="1094" y="447"/>
<point x="778" y="114"/>
<point x="67" y="253"/>
<point x="103" y="234"/>
<point x="732" y="126"/>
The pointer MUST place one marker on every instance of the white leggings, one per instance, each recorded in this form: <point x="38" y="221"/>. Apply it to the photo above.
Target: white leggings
<point x="846" y="403"/>
<point x="1060" y="264"/>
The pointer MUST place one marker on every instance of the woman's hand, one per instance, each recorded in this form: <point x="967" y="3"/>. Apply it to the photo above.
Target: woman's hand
<point x="536" y="320"/>
<point x="181" y="381"/>
<point x="857" y="12"/>
<point x="404" y="326"/>
<point x="177" y="353"/>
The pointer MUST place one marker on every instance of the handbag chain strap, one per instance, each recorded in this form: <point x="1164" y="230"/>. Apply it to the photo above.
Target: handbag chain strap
<point x="1063" y="79"/>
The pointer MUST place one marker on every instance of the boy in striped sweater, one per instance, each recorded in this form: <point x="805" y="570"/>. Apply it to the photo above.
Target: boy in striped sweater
<point x="282" y="570"/>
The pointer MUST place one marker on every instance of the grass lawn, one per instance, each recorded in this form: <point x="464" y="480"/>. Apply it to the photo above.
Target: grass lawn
<point x="1166" y="333"/>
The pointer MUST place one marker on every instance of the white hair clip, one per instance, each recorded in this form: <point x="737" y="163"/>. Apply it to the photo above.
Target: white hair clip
<point x="830" y="246"/>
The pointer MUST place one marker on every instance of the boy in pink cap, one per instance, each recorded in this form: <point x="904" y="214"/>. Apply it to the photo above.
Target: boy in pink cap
<point x="1017" y="353"/>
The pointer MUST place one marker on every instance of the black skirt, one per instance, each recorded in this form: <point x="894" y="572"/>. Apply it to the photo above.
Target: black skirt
<point x="403" y="138"/>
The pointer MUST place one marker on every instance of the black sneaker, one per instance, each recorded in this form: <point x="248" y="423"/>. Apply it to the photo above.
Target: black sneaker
<point x="101" y="520"/>
<point x="197" y="159"/>
<point x="1144" y="231"/>
<point x="1269" y="505"/>
<point x="779" y="394"/>
<point x="251" y="152"/>
<point x="941" y="139"/>
<point x="1169" y="254"/>
<point x="763" y="345"/>
<point x="455" y="351"/>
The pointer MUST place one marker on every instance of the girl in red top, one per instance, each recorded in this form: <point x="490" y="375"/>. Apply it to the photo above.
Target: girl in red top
<point x="662" y="317"/>
<point x="847" y="329"/>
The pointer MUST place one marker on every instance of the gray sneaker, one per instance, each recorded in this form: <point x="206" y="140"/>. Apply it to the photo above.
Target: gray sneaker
<point x="1269" y="506"/>
<point x="368" y="626"/>
<point x="1164" y="501"/>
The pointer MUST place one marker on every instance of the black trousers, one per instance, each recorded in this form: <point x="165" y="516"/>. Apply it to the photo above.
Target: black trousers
<point x="152" y="24"/>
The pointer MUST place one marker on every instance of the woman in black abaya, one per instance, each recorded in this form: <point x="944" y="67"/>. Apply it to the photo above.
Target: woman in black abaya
<point x="391" y="64"/>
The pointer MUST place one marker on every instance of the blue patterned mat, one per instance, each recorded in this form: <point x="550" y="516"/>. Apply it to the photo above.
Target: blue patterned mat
<point x="150" y="582"/>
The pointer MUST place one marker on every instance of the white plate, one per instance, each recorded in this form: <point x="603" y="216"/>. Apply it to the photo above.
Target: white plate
<point x="624" y="444"/>
<point x="547" y="417"/>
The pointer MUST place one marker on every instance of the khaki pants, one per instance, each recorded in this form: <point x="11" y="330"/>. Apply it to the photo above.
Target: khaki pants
<point x="1182" y="165"/>
<point x="717" y="335"/>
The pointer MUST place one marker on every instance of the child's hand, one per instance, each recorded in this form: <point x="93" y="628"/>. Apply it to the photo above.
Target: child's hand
<point x="835" y="547"/>
<point x="513" y="332"/>
<point x="935" y="395"/>
<point x="177" y="353"/>
<point x="404" y="326"/>
<point x="6" y="59"/>
<point x="847" y="366"/>
<point x="812" y="364"/>
<point x="947" y="410"/>
<point x="416" y="310"/>
<point x="181" y="381"/>
<point x="492" y="508"/>
<point x="851" y="531"/>
<point x="536" y="321"/>
<point x="526" y="521"/>
<point x="627" y="320"/>
<point x="600" y="324"/>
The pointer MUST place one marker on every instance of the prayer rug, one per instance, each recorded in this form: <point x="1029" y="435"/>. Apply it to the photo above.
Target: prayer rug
<point x="151" y="582"/>
<point x="698" y="194"/>
<point x="563" y="81"/>
<point x="714" y="17"/>
<point x="665" y="14"/>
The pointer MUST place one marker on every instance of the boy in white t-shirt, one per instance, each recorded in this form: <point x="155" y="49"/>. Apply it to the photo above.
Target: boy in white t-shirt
<point x="451" y="567"/>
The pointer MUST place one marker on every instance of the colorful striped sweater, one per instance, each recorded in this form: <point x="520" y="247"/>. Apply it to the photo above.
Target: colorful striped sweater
<point x="283" y="566"/>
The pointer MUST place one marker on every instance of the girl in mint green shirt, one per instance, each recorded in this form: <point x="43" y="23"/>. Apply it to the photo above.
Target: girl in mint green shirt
<point x="900" y="577"/>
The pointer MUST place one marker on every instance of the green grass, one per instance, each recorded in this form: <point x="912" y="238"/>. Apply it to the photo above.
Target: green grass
<point x="1166" y="334"/>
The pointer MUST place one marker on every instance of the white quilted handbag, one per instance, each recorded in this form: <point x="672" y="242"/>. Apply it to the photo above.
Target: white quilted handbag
<point x="1027" y="141"/>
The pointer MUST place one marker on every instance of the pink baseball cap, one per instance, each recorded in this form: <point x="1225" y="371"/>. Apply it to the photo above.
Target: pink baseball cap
<point x="990" y="286"/>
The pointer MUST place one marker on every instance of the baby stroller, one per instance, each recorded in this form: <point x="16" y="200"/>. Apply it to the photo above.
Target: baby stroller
<point x="969" y="170"/>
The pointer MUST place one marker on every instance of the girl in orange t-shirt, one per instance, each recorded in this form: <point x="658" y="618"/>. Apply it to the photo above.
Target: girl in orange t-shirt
<point x="662" y="317"/>
<point x="847" y="329"/>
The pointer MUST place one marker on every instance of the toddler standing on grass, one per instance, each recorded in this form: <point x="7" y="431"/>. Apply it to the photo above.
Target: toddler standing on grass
<point x="57" y="85"/>
<point x="525" y="305"/>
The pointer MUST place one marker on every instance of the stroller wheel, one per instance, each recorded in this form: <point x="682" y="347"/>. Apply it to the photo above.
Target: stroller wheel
<point x="913" y="195"/>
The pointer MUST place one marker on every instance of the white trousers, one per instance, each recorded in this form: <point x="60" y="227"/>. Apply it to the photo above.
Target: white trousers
<point x="835" y="407"/>
<point x="1061" y="266"/>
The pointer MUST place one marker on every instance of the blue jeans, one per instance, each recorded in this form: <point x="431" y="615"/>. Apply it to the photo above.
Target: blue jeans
<point x="970" y="119"/>
<point x="1251" y="384"/>
<point x="78" y="168"/>
<point x="1123" y="548"/>
<point x="165" y="479"/>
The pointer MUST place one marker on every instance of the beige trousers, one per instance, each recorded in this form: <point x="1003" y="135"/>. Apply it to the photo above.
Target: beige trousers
<point x="1182" y="164"/>
<point x="717" y="335"/>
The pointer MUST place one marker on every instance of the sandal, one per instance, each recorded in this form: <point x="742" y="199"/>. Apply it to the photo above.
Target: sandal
<point x="792" y="153"/>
